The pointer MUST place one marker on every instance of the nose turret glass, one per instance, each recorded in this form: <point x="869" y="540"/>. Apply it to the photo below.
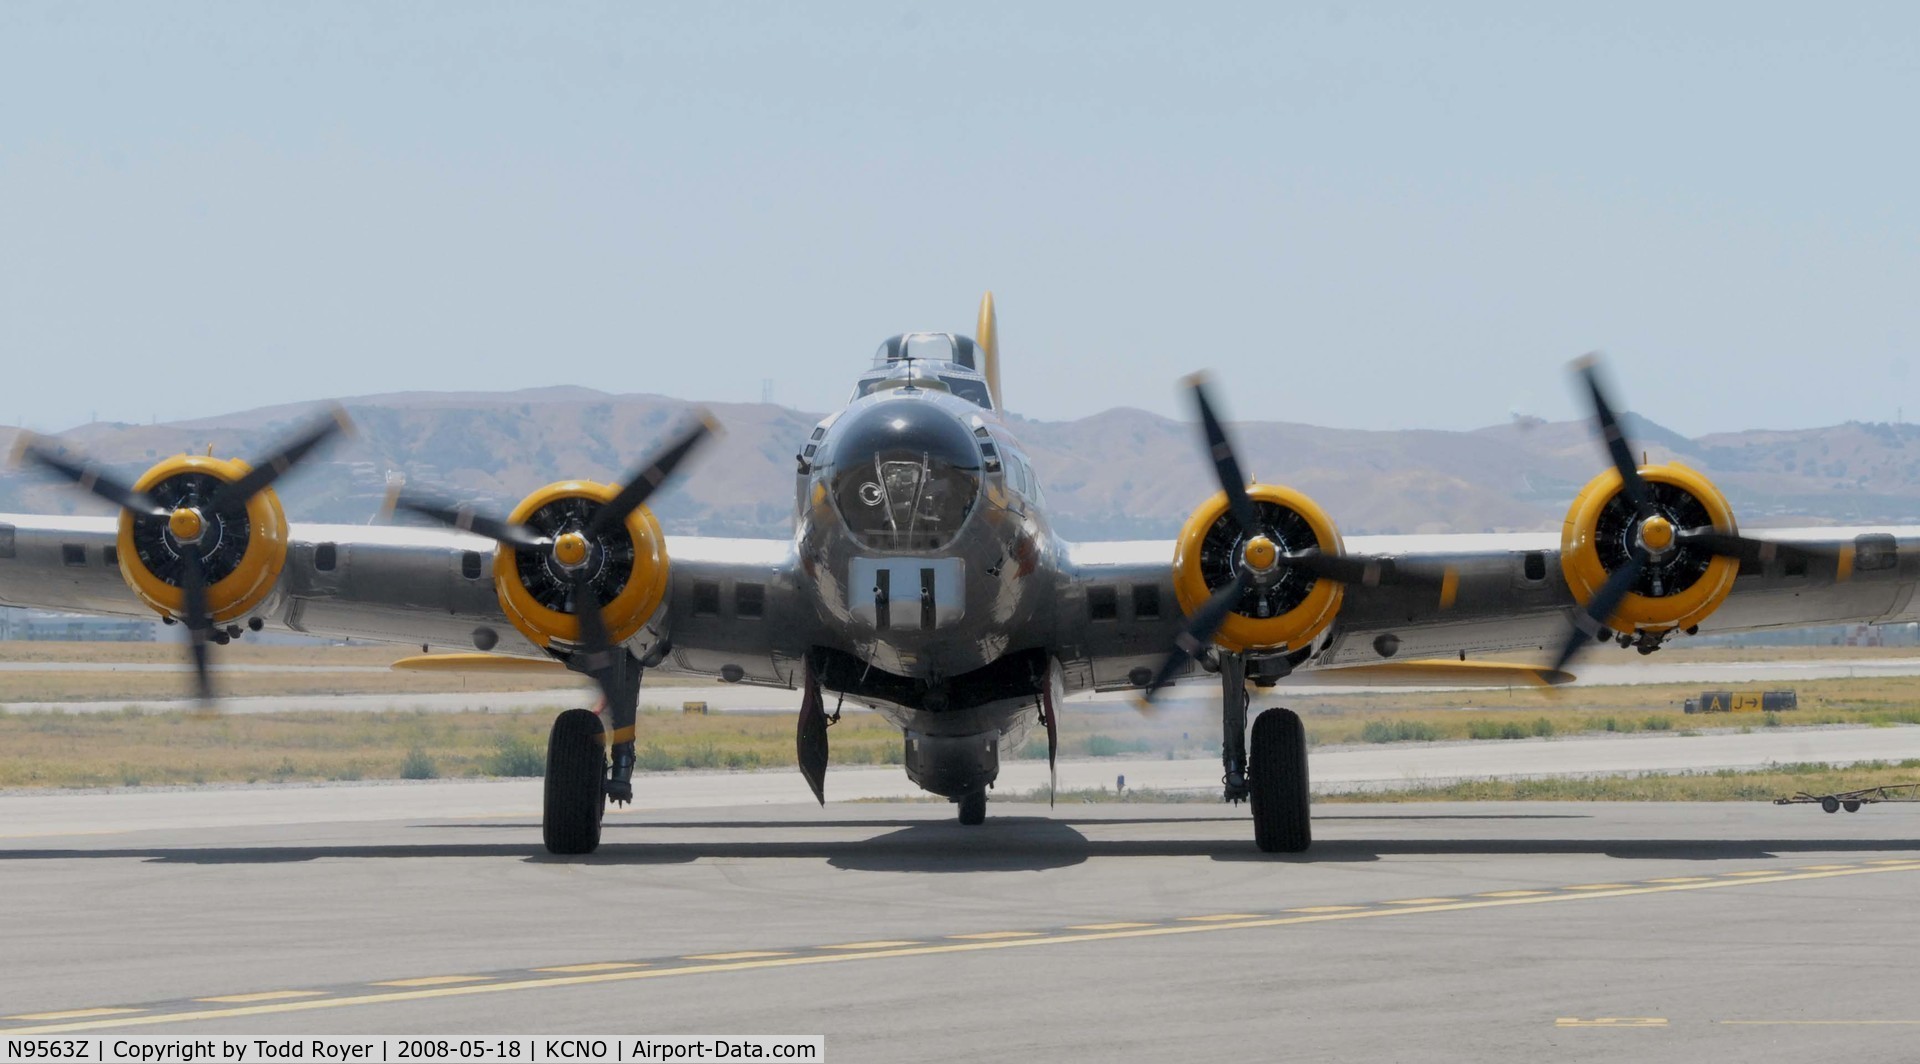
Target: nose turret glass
<point x="905" y="476"/>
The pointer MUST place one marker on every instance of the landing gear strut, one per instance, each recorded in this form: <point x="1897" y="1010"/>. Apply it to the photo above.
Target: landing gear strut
<point x="1233" y="726"/>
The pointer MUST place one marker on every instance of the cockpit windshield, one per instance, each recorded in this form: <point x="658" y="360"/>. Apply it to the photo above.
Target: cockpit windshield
<point x="931" y="377"/>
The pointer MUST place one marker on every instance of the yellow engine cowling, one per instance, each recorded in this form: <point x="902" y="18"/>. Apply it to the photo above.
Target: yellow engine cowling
<point x="631" y="575"/>
<point x="1292" y="609"/>
<point x="243" y="561"/>
<point x="1680" y="586"/>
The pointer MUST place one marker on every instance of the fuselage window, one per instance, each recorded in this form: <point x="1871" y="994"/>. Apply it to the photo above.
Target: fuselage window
<point x="1102" y="604"/>
<point x="73" y="554"/>
<point x="110" y="556"/>
<point x="6" y="541"/>
<point x="749" y="600"/>
<point x="470" y="564"/>
<point x="1534" y="565"/>
<point x="1146" y="602"/>
<point x="325" y="556"/>
<point x="1875" y="550"/>
<point x="706" y="598"/>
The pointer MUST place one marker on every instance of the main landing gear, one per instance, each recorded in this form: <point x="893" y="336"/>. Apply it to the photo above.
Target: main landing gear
<point x="576" y="783"/>
<point x="1279" y="783"/>
<point x="581" y="777"/>
<point x="1274" y="779"/>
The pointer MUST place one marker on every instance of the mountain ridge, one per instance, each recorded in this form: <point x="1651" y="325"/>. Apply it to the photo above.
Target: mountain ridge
<point x="1117" y="474"/>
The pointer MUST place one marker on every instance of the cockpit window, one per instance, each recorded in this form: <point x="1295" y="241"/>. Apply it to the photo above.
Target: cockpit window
<point x="913" y="375"/>
<point x="972" y="391"/>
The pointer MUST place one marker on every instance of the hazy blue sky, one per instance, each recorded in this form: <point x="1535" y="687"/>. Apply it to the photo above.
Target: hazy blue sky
<point x="1368" y="215"/>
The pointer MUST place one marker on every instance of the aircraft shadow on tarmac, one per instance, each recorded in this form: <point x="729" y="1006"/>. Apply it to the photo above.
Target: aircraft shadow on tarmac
<point x="1006" y="844"/>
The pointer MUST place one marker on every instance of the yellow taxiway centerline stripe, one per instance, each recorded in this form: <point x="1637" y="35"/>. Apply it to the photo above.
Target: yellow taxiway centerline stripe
<point x="1124" y="925"/>
<point x="874" y="951"/>
<point x="1420" y="901"/>
<point x="600" y="966"/>
<point x="1513" y="894"/>
<point x="1681" y="879"/>
<point x="739" y="955"/>
<point x="266" y="995"/>
<point x="989" y="936"/>
<point x="1604" y="886"/>
<point x="1218" y="917"/>
<point x="1327" y="909"/>
<point x="885" y="943"/>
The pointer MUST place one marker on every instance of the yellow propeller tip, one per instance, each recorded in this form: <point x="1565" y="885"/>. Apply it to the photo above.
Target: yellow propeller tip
<point x="24" y="440"/>
<point x="711" y="423"/>
<point x="1196" y="379"/>
<point x="342" y="419"/>
<point x="1585" y="362"/>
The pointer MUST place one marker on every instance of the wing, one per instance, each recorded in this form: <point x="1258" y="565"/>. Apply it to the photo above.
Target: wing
<point x="1509" y="599"/>
<point x="434" y="589"/>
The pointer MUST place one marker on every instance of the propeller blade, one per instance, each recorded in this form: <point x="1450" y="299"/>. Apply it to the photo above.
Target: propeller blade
<point x="467" y="519"/>
<point x="641" y="485"/>
<point x="90" y="476"/>
<point x="280" y="459"/>
<point x="1618" y="447"/>
<point x="1192" y="642"/>
<point x="1361" y="569"/>
<point x="1747" y="549"/>
<point x="1225" y="466"/>
<point x="1604" y="602"/>
<point x="596" y="644"/>
<point x="199" y="622"/>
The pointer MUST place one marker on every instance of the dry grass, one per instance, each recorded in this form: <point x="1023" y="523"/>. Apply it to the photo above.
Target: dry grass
<point x="1725" y="785"/>
<point x="134" y="748"/>
<point x="61" y="750"/>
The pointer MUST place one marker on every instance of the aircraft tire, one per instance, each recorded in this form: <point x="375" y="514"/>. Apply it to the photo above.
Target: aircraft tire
<point x="576" y="780"/>
<point x="973" y="807"/>
<point x="1277" y="778"/>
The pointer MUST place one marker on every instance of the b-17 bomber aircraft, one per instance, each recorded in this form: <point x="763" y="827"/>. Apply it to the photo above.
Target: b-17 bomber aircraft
<point x="923" y="580"/>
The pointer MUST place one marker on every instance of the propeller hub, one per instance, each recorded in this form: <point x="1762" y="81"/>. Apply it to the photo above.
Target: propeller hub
<point x="186" y="524"/>
<point x="1260" y="554"/>
<point x="570" y="550"/>
<point x="1656" y="534"/>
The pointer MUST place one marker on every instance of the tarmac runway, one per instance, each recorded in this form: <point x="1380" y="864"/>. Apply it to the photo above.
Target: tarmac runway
<point x="1081" y="933"/>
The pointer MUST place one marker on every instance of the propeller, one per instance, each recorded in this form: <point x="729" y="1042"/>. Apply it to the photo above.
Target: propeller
<point x="595" y="652"/>
<point x="185" y="523"/>
<point x="1206" y="621"/>
<point x="1622" y="580"/>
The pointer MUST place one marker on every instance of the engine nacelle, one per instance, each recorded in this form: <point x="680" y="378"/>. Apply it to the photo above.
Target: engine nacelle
<point x="1681" y="584"/>
<point x="242" y="548"/>
<point x="1282" y="609"/>
<point x="628" y="566"/>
